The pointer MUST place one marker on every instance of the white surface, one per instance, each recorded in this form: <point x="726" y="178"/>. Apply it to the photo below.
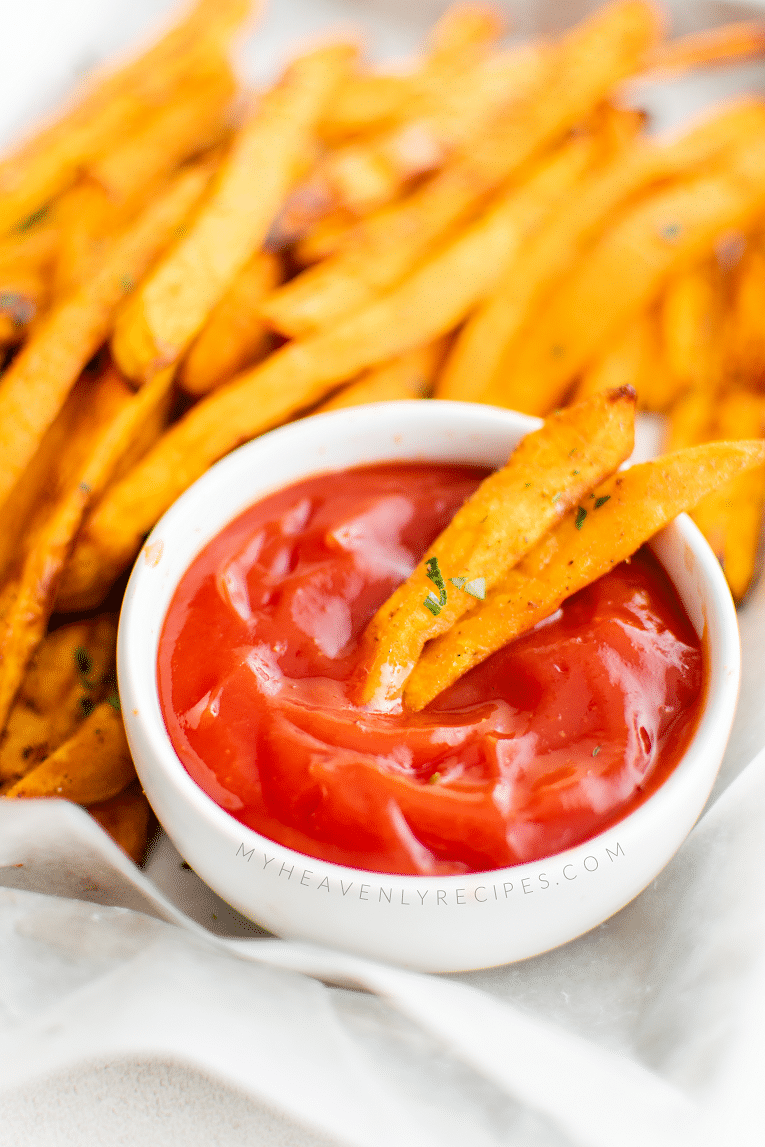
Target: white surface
<point x="667" y="994"/>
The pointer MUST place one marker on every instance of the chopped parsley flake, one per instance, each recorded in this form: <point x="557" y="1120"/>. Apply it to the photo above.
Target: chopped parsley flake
<point x="84" y="663"/>
<point x="431" y="602"/>
<point x="458" y="581"/>
<point x="596" y="750"/>
<point x="33" y="219"/>
<point x="114" y="701"/>
<point x="581" y="514"/>
<point x="671" y="232"/>
<point x="602" y="501"/>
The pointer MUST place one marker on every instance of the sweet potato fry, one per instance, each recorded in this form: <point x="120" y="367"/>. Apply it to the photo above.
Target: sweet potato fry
<point x="630" y="360"/>
<point x="192" y="122"/>
<point x="408" y="376"/>
<point x="234" y="335"/>
<point x="385" y="247"/>
<point x="34" y="587"/>
<point x="476" y="367"/>
<point x="426" y="306"/>
<point x="666" y="232"/>
<point x="690" y="419"/>
<point x="126" y="818"/>
<point x="473" y="96"/>
<point x="21" y="298"/>
<point x="367" y="174"/>
<point x="115" y="187"/>
<point x="34" y="388"/>
<point x="691" y="315"/>
<point x="464" y="27"/>
<point x="93" y="765"/>
<point x="87" y="216"/>
<point x="33" y="247"/>
<point x="96" y="398"/>
<point x="69" y="674"/>
<point x="49" y="162"/>
<point x="730" y="517"/>
<point x="168" y="310"/>
<point x="721" y="45"/>
<point x="549" y="471"/>
<point x="371" y="102"/>
<point x="633" y="359"/>
<point x="368" y="102"/>
<point x="330" y="291"/>
<point x="328" y="235"/>
<point x="745" y="348"/>
<point x="25" y="261"/>
<point x="611" y="524"/>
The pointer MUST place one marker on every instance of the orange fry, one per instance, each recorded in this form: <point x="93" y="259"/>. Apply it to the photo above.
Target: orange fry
<point x="666" y="232"/>
<point x="607" y="528"/>
<point x="35" y="386"/>
<point x="161" y="319"/>
<point x="425" y="306"/>
<point x="408" y="376"/>
<point x="32" y="591"/>
<point x="234" y="335"/>
<point x="93" y="765"/>
<point x="724" y="44"/>
<point x="48" y="162"/>
<point x="547" y="473"/>
<point x="127" y="818"/>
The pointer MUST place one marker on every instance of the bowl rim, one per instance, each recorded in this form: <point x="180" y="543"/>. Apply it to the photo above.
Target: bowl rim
<point x="722" y="663"/>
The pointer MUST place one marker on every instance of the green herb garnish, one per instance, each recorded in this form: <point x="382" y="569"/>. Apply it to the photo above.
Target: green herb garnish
<point x="84" y="663"/>
<point x="33" y="219"/>
<point x="596" y="750"/>
<point x="581" y="514"/>
<point x="602" y="501"/>
<point x="431" y="602"/>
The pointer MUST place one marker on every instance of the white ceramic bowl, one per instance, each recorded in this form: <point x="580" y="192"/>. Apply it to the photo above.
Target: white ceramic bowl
<point x="447" y="923"/>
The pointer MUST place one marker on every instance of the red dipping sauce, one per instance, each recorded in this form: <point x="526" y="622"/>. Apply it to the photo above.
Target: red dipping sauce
<point x="550" y="741"/>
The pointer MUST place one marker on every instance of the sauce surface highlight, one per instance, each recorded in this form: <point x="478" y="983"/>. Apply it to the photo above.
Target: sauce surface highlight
<point x="547" y="743"/>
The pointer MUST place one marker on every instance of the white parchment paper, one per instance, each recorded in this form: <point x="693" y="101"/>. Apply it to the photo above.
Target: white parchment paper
<point x="137" y="1008"/>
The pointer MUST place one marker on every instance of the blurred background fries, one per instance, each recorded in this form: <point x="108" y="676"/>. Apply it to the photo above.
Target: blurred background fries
<point x="185" y="264"/>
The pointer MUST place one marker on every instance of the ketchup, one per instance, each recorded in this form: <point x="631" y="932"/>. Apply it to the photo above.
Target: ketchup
<point x="548" y="742"/>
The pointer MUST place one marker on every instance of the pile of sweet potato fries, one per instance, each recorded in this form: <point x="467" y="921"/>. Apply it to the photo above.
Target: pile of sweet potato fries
<point x="184" y="265"/>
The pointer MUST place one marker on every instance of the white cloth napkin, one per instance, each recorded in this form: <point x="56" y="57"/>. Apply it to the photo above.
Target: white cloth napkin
<point x="122" y="1021"/>
<point x="647" y="1030"/>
